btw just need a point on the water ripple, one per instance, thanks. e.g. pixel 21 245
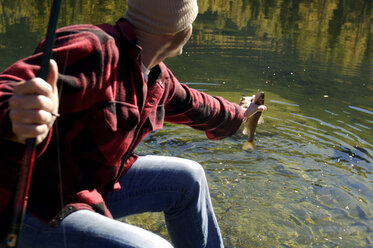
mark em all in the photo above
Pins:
pixel 284 103
pixel 361 110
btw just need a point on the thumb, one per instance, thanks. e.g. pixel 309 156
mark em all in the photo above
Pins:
pixel 262 108
pixel 53 74
pixel 52 80
pixel 253 108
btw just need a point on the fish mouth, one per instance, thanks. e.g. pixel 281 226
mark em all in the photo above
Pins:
pixel 259 98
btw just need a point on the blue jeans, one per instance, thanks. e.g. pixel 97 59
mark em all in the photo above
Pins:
pixel 176 186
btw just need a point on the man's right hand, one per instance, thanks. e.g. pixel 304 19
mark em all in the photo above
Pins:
pixel 250 108
pixel 34 106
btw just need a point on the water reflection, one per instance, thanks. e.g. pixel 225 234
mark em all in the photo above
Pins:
pixel 334 31
pixel 309 183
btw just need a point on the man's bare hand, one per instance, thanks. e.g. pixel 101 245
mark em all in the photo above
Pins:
pixel 247 103
pixel 33 107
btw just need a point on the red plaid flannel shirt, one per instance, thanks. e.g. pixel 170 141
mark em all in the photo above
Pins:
pixel 106 109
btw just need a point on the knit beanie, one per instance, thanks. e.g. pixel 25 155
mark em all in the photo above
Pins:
pixel 161 16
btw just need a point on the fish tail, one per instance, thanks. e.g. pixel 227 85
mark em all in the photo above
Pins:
pixel 248 145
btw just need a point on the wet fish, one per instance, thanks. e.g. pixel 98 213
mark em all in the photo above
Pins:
pixel 252 122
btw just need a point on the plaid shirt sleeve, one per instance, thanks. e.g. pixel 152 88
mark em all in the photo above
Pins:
pixel 216 116
pixel 79 52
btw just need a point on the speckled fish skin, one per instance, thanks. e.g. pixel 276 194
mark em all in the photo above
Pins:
pixel 252 122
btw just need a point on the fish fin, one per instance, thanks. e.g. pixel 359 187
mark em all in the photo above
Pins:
pixel 248 145
pixel 245 131
pixel 261 120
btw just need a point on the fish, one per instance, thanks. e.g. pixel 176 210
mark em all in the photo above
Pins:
pixel 252 122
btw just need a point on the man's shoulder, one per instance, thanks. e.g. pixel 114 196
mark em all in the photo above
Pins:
pixel 80 28
pixel 100 32
pixel 165 72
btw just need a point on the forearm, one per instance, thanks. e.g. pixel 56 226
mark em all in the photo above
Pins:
pixel 216 116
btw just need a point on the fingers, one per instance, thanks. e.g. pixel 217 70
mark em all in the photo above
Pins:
pixel 33 106
pixel 31 102
pixel 39 117
pixel 262 108
pixel 250 108
pixel 52 80
pixel 26 131
pixel 53 75
pixel 35 86
pixel 246 100
pixel 38 86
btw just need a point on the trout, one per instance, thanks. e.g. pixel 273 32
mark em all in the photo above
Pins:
pixel 252 122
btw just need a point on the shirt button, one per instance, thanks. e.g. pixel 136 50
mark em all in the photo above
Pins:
pixel 151 102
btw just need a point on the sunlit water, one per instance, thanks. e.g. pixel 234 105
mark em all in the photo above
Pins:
pixel 310 182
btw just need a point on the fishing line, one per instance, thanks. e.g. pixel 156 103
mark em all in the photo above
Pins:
pixel 58 147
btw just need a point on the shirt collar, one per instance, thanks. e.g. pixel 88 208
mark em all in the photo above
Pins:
pixel 128 33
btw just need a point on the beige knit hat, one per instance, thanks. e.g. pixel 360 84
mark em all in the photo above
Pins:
pixel 161 16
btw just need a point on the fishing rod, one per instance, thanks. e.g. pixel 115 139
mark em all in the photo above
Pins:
pixel 26 168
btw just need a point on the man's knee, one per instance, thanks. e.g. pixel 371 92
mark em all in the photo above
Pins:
pixel 191 172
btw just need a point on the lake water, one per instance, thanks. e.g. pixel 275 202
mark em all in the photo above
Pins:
pixel 309 183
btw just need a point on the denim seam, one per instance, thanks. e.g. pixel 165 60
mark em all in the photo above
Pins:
pixel 163 188
pixel 166 188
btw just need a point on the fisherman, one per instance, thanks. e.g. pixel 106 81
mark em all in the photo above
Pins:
pixel 114 90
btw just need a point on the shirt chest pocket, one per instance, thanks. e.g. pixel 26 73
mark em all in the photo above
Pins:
pixel 102 136
pixel 156 117
pixel 112 129
pixel 122 117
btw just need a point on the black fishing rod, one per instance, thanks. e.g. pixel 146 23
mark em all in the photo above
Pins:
pixel 25 171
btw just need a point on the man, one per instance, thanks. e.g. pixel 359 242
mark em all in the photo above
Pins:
pixel 114 90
